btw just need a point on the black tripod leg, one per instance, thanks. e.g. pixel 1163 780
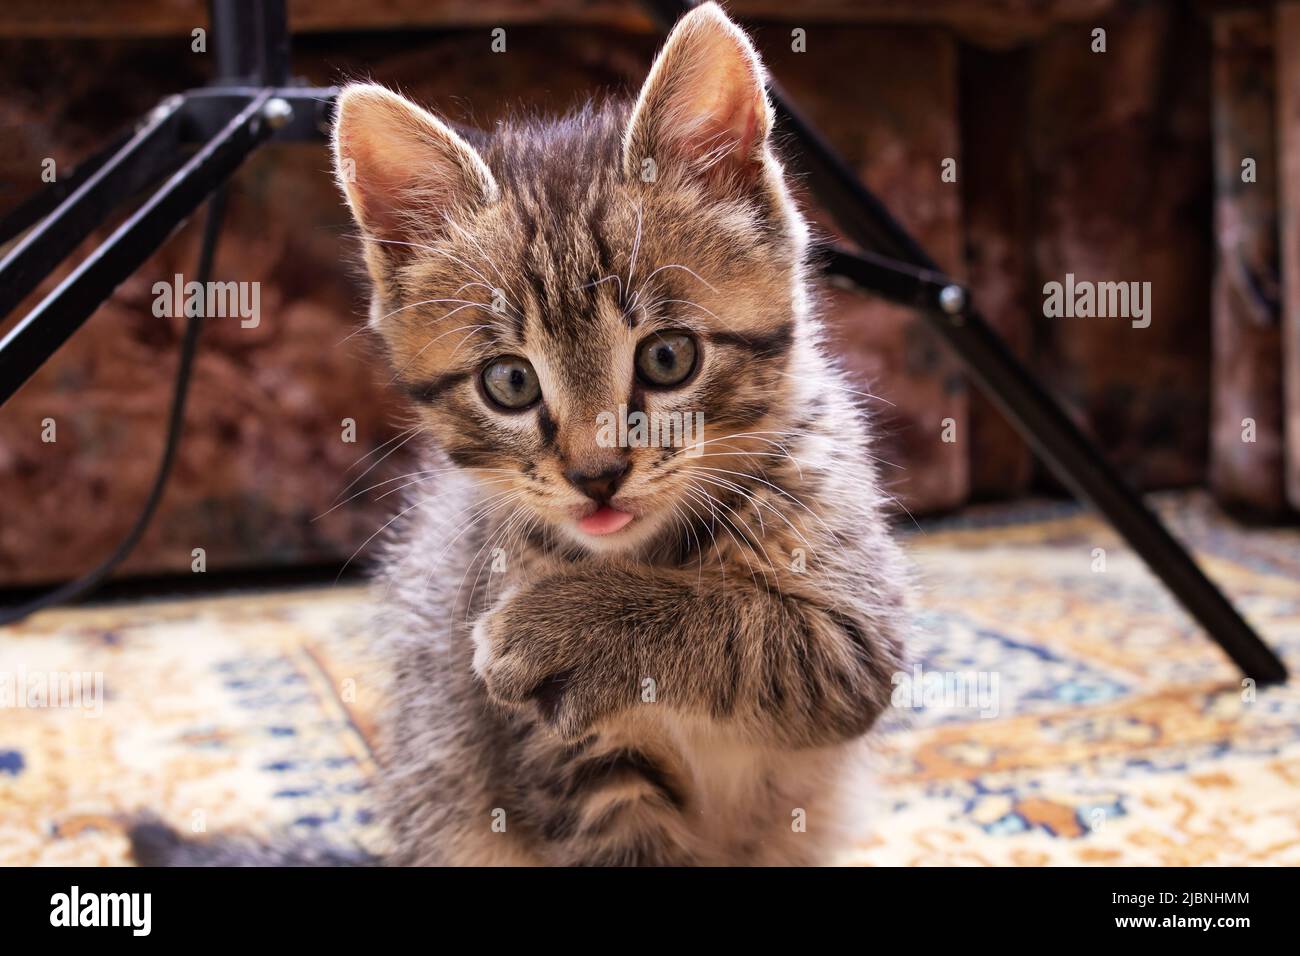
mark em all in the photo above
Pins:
pixel 1068 452
pixel 1076 461
pixel 35 208
pixel 150 152
pixel 62 312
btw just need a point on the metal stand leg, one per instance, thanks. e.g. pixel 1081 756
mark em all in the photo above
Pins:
pixel 62 312
pixel 138 162
pixel 1067 451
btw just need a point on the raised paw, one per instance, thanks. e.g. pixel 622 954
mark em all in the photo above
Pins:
pixel 523 666
pixel 510 665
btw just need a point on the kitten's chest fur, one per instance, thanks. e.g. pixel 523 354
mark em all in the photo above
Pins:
pixel 745 803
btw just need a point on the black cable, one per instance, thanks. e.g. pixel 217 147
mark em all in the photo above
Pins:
pixel 81 586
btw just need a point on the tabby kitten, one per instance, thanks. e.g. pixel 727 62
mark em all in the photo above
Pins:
pixel 607 654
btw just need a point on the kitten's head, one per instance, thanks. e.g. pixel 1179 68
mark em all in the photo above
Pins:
pixel 538 284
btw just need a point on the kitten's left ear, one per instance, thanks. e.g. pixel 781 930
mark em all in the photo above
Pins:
pixel 703 110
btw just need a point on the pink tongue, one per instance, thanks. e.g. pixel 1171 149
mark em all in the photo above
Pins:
pixel 604 520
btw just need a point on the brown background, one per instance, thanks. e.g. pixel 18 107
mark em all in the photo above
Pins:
pixel 1068 161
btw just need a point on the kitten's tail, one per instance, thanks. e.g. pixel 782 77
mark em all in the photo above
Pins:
pixel 153 843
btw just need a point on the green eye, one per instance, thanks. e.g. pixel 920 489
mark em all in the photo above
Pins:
pixel 665 359
pixel 511 382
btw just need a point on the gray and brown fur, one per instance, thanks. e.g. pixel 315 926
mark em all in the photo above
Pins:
pixel 688 690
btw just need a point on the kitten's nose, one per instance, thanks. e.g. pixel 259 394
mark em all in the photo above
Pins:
pixel 598 485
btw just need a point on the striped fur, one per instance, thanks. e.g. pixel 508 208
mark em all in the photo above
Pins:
pixel 681 695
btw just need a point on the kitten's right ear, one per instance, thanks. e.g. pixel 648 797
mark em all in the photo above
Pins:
pixel 403 171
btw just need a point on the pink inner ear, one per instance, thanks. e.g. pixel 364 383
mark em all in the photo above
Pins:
pixel 730 126
pixel 743 123
pixel 389 191
pixel 373 193
pixel 381 205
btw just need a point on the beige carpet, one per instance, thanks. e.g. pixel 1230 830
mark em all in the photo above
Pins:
pixel 1108 730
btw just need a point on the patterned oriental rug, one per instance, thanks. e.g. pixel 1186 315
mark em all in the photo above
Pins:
pixel 1061 710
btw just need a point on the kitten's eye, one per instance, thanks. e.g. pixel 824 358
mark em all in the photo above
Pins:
pixel 665 359
pixel 511 382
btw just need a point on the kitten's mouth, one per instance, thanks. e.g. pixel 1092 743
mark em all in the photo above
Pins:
pixel 604 520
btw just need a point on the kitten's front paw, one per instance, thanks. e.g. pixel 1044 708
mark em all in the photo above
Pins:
pixel 526 665
pixel 508 673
